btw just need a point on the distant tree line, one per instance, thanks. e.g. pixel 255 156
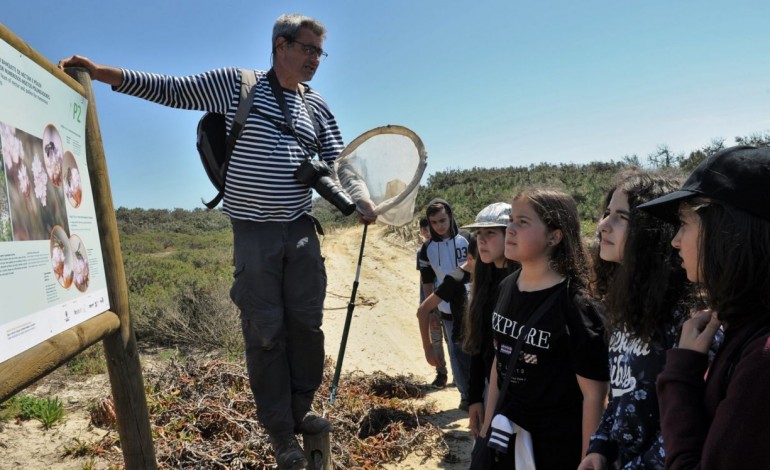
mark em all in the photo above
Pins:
pixel 176 220
pixel 468 191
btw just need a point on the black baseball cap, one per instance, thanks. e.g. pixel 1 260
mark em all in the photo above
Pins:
pixel 738 176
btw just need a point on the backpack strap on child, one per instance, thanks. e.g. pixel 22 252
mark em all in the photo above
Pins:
pixel 486 449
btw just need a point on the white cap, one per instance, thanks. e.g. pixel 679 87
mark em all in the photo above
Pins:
pixel 494 215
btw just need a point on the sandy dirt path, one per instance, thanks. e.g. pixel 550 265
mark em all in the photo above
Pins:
pixel 383 332
pixel 384 327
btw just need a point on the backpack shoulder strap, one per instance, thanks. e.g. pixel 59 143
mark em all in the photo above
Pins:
pixel 245 98
pixel 538 313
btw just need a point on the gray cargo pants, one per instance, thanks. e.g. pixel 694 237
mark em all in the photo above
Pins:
pixel 279 287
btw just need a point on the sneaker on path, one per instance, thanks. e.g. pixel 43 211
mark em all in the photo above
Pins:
pixel 440 381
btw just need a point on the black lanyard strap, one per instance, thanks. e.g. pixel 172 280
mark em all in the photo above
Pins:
pixel 541 310
pixel 288 127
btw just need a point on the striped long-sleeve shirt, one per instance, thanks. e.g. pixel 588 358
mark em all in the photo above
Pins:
pixel 260 184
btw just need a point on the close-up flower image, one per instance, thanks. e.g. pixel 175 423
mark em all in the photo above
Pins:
pixel 41 181
pixel 10 145
pixel 32 196
pixel 53 154
pixel 61 257
pixel 73 189
pixel 81 275
pixel 22 177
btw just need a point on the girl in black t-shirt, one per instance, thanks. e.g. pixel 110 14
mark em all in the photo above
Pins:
pixel 559 385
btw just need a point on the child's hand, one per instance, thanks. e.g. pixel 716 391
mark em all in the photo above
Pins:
pixel 430 356
pixel 698 332
pixel 593 461
pixel 476 417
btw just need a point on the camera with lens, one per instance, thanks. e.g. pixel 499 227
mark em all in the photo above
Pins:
pixel 318 175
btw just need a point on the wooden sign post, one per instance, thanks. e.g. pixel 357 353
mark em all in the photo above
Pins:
pixel 113 327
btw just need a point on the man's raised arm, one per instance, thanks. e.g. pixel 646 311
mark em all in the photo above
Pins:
pixel 102 73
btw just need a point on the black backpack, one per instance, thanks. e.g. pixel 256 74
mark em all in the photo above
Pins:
pixel 215 145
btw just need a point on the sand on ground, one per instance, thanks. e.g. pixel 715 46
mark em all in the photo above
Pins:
pixel 384 334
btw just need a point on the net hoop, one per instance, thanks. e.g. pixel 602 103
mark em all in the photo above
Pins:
pixel 387 204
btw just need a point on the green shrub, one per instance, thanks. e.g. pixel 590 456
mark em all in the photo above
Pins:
pixel 48 411
pixel 10 408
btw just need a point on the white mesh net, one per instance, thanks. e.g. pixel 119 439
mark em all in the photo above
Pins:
pixel 384 166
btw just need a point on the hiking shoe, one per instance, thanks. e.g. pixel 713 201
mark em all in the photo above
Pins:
pixel 439 381
pixel 464 405
pixel 288 453
pixel 313 424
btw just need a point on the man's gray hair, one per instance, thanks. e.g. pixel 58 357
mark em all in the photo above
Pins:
pixel 288 26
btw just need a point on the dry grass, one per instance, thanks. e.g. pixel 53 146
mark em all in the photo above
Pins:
pixel 203 417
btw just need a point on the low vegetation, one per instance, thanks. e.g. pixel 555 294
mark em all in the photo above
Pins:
pixel 49 411
pixel 89 362
pixel 202 416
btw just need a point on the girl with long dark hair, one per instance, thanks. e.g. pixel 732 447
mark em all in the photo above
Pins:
pixel 558 383
pixel 724 244
pixel 491 268
pixel 645 297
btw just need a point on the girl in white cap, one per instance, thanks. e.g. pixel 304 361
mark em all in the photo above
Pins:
pixel 491 268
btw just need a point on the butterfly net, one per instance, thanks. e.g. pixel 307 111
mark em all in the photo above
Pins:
pixel 384 166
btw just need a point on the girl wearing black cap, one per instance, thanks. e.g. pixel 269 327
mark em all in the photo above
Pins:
pixel 724 242
pixel 643 292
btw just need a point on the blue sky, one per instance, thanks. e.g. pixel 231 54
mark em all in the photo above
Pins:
pixel 484 83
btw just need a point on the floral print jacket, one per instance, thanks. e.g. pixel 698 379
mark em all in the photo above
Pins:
pixel 629 433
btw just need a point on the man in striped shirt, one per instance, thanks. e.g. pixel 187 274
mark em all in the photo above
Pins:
pixel 280 279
